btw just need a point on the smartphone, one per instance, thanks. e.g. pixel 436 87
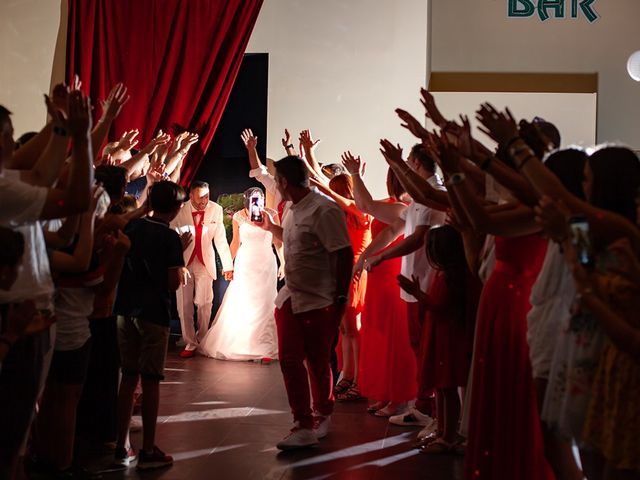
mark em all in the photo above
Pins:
pixel 256 204
pixel 581 239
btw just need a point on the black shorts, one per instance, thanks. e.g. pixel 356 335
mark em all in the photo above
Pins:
pixel 70 366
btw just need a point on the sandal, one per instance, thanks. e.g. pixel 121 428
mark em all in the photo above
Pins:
pixel 374 407
pixel 428 440
pixel 351 394
pixel 441 446
pixel 342 386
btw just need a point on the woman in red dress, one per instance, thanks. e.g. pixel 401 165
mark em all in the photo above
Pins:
pixel 387 366
pixel 340 188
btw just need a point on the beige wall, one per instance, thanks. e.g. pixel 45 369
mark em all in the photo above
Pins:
pixel 27 49
pixel 340 68
pixel 476 35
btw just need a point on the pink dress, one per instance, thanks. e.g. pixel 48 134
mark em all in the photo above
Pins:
pixel 505 439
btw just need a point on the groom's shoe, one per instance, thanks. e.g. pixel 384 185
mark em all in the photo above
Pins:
pixel 321 425
pixel 187 353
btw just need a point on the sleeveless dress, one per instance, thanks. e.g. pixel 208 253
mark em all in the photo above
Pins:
pixel 244 328
pixel 360 236
pixel 505 438
pixel 447 339
pixel 387 366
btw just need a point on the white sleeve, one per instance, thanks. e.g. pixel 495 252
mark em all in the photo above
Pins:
pixel 20 202
pixel 262 175
pixel 220 241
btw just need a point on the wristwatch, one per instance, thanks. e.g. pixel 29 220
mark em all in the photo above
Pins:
pixel 341 300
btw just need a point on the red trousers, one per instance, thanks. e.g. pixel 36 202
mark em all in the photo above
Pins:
pixel 307 336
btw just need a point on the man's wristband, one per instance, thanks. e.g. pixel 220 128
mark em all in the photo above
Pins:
pixel 287 147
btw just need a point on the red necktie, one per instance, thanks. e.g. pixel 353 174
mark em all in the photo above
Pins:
pixel 198 217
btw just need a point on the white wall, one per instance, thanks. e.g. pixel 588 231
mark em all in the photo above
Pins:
pixel 477 36
pixel 340 68
pixel 27 47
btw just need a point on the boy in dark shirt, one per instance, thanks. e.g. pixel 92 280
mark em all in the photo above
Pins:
pixel 145 303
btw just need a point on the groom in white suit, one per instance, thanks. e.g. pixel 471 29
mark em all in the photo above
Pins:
pixel 201 218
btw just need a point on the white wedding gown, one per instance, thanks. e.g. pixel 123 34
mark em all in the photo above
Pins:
pixel 244 328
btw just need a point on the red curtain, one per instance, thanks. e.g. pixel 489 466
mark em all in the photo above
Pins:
pixel 178 58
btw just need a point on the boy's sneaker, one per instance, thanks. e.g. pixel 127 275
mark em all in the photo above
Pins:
pixel 156 459
pixel 321 425
pixel 411 418
pixel 124 456
pixel 298 438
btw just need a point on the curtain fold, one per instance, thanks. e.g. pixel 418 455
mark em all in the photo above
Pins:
pixel 178 58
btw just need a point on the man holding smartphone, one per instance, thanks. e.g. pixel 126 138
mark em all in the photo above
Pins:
pixel 318 259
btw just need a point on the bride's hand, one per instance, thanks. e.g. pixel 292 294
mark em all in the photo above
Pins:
pixel 281 272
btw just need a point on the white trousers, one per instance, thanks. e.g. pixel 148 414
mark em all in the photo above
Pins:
pixel 200 283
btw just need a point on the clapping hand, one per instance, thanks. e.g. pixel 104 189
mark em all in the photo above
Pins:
pixel 251 141
pixel 157 169
pixel 286 141
pixel 186 140
pixel 413 125
pixel 351 163
pixel 499 126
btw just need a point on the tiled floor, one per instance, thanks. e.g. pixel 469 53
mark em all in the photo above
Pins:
pixel 222 419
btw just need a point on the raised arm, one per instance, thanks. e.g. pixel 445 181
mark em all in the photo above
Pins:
pixel 384 211
pixel 309 147
pixel 111 108
pixel 179 150
pixel 416 186
pixel 348 205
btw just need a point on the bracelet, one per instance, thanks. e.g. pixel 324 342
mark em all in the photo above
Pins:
pixel 60 131
pixel 356 174
pixel 486 163
pixel 287 147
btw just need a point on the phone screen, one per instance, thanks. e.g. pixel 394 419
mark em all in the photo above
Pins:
pixel 255 209
pixel 581 240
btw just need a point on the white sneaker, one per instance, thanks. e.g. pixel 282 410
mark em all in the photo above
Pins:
pixel 411 418
pixel 321 425
pixel 428 430
pixel 298 438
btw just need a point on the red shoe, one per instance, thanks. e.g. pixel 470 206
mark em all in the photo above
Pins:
pixel 187 353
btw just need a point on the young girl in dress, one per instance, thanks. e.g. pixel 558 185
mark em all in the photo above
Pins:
pixel 447 338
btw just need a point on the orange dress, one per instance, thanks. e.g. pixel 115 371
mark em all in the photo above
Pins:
pixel 360 235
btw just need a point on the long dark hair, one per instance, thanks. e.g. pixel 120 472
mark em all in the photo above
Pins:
pixel 445 252
pixel 568 166
pixel 616 178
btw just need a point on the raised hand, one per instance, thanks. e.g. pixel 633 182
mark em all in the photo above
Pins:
pixel 307 141
pixel 186 141
pixel 157 142
pixel 157 169
pixel 250 140
pixel 500 126
pixel 392 153
pixel 432 111
pixel 76 84
pixel 128 140
pixel 57 114
pixel 60 96
pixel 286 141
pixel 411 124
pixel 351 163
pixel 449 159
pixel 112 106
pixel 79 121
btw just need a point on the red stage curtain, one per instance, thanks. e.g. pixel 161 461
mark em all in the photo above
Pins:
pixel 179 59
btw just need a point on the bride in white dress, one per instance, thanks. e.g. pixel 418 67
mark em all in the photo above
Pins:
pixel 244 328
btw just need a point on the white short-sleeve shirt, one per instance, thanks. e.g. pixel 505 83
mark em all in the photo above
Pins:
pixel 313 229
pixel 415 263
